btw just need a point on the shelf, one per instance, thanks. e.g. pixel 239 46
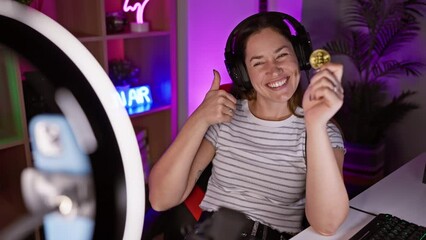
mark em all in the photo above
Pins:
pixel 158 127
pixel 154 52
pixel 89 38
pixel 153 111
pixel 129 35
pixel 11 144
pixel 81 17
pixel 11 202
pixel 151 52
pixel 125 35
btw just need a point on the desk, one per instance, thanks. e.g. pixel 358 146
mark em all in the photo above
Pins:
pixel 353 223
pixel 401 193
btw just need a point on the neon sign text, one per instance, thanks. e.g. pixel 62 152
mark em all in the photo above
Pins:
pixel 138 7
pixel 135 97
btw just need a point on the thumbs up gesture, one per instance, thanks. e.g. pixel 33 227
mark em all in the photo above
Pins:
pixel 218 105
pixel 216 81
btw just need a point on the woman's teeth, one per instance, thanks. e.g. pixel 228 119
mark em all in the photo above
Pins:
pixel 277 84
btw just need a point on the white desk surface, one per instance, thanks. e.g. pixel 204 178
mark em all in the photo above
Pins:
pixel 401 194
pixel 354 222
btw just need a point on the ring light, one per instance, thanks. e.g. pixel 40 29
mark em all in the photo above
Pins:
pixel 115 160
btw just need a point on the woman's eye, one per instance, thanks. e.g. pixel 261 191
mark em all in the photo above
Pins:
pixel 282 55
pixel 257 64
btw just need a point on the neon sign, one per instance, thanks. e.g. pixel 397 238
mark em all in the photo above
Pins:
pixel 136 100
pixel 138 7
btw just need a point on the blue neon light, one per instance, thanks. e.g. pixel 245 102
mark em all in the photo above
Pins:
pixel 135 99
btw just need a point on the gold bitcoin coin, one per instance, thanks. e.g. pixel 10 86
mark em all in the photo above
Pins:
pixel 318 58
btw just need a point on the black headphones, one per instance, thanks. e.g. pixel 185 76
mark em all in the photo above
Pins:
pixel 235 65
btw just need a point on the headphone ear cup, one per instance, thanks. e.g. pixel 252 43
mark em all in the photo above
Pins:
pixel 238 73
pixel 304 46
pixel 244 78
pixel 298 51
pixel 230 67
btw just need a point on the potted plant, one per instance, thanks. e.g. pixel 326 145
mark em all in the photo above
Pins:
pixel 377 29
pixel 123 73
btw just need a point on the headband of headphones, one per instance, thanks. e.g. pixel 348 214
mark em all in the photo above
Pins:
pixel 301 44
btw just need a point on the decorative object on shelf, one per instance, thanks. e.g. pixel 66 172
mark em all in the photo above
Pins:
pixel 139 25
pixel 26 2
pixel 125 77
pixel 135 99
pixel 377 29
pixel 123 73
pixel 36 4
pixel 116 22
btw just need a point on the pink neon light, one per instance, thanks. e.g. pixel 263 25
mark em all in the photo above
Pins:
pixel 138 7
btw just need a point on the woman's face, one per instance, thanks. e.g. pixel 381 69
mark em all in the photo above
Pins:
pixel 272 66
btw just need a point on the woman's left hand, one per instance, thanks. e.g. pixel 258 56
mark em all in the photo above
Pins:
pixel 324 95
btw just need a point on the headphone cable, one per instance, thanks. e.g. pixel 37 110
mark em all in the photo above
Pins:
pixel 360 210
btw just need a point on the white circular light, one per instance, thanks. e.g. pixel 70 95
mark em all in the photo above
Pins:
pixel 105 91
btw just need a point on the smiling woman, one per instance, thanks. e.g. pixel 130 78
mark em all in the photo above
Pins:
pixel 276 156
pixel 273 71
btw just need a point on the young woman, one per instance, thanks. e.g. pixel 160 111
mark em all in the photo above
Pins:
pixel 276 155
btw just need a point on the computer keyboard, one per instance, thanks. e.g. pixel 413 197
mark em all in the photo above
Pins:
pixel 386 226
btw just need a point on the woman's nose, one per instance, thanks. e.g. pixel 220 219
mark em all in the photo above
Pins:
pixel 276 69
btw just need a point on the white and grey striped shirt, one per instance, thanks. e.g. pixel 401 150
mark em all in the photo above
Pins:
pixel 259 168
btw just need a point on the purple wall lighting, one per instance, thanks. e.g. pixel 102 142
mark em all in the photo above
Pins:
pixel 209 24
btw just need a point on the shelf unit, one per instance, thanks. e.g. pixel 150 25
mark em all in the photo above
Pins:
pixel 14 145
pixel 154 52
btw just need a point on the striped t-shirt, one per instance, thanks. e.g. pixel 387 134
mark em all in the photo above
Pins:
pixel 259 168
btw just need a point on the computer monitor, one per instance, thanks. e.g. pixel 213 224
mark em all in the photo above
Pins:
pixel 64 65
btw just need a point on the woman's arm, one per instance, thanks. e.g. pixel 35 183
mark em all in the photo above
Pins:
pixel 327 202
pixel 175 173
